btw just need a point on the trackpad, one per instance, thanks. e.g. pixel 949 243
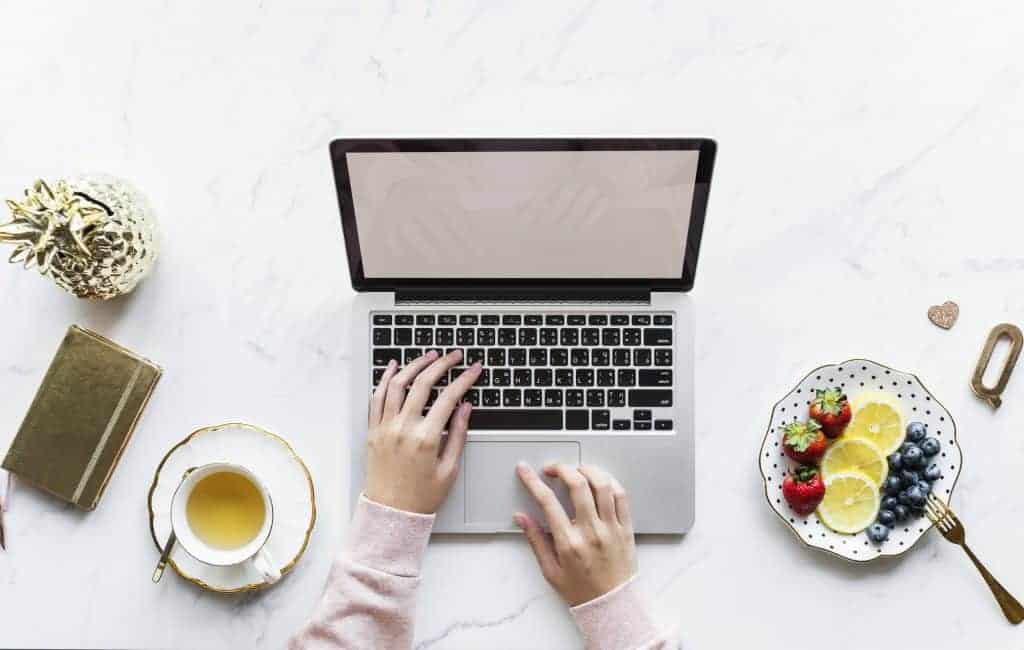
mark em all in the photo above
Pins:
pixel 493 490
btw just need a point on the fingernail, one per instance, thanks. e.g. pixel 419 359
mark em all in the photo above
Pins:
pixel 476 365
pixel 466 408
pixel 432 354
pixel 392 364
pixel 520 520
pixel 522 467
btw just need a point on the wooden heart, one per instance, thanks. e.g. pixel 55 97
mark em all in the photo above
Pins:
pixel 944 315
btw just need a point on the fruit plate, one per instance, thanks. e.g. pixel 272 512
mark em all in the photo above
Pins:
pixel 853 377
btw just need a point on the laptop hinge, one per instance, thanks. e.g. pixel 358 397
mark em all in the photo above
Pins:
pixel 558 293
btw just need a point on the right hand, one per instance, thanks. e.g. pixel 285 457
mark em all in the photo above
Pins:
pixel 595 552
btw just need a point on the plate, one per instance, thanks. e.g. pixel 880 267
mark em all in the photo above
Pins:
pixel 278 466
pixel 853 377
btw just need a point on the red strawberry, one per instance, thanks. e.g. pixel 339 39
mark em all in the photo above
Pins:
pixel 831 410
pixel 803 490
pixel 804 442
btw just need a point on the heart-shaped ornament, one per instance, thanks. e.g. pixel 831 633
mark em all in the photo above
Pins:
pixel 944 315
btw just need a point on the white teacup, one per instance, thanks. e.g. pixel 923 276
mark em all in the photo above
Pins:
pixel 251 551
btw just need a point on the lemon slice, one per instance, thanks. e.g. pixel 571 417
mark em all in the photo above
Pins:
pixel 877 418
pixel 855 455
pixel 850 504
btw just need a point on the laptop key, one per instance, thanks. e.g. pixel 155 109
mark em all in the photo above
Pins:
pixel 473 396
pixel 381 336
pixel 600 420
pixel 641 357
pixel 382 319
pixel 590 336
pixel 548 336
pixel 599 357
pixel 378 374
pixel 411 354
pixel 663 358
pixel 595 397
pixel 444 336
pixel 658 336
pixel 563 377
pixel 620 357
pixel 474 355
pixel 650 397
pixel 542 377
pixel 620 319
pixel 642 414
pixel 663 319
pixel 489 319
pixel 424 336
pixel 574 397
pixel 606 377
pixel 627 377
pixel 511 319
pixel 501 377
pixel 570 337
pixel 642 426
pixel 554 319
pixel 517 357
pixel 425 319
pixel 465 336
pixel 447 319
pixel 580 357
pixel 533 319
pixel 512 397
pixel 506 336
pixel 621 425
pixel 491 398
pixel 381 356
pixel 485 377
pixel 538 357
pixel 495 357
pixel 597 319
pixel 656 377
pixel 552 397
pixel 532 397
pixel 577 420
pixel 641 319
pixel 522 377
pixel 512 419
pixel 616 397
pixel 467 319
pixel 559 357
pixel 577 319
pixel 610 337
pixel 403 319
pixel 528 336
pixel 631 336
pixel 663 425
pixel 403 336
pixel 485 336
pixel 584 377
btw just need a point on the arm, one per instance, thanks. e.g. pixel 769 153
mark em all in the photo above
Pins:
pixel 591 560
pixel 370 598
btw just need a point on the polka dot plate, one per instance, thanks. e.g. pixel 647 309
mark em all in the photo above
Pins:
pixel 853 377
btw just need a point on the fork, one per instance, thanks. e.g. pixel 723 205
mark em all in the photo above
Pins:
pixel 951 528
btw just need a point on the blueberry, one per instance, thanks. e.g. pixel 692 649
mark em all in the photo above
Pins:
pixel 915 496
pixel 901 511
pixel 886 517
pixel 915 432
pixel 895 461
pixel 913 457
pixel 933 473
pixel 931 446
pixel 890 503
pixel 907 445
pixel 924 486
pixel 909 477
pixel 878 533
pixel 892 485
pixel 904 498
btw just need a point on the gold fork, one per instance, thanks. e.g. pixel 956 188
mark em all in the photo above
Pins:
pixel 951 528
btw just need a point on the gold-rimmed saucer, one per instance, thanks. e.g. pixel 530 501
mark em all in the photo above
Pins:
pixel 287 479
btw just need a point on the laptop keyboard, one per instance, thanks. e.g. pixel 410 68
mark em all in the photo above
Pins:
pixel 549 371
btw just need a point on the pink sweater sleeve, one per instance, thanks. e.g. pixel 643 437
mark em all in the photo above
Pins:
pixel 370 598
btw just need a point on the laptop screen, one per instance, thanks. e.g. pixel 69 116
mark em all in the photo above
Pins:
pixel 523 214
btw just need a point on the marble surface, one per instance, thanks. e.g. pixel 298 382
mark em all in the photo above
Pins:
pixel 870 164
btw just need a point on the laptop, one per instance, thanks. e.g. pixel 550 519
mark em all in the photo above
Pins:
pixel 564 266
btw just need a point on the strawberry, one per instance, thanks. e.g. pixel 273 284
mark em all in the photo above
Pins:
pixel 803 490
pixel 831 410
pixel 804 442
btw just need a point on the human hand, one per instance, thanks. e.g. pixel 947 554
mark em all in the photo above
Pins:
pixel 595 552
pixel 408 467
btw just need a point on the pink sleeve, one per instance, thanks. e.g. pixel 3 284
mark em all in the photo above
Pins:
pixel 370 598
pixel 620 620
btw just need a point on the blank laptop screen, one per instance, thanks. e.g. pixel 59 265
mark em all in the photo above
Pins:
pixel 523 214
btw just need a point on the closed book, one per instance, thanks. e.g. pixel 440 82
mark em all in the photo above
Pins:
pixel 82 418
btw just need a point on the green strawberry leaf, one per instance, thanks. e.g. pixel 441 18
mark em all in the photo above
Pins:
pixel 830 400
pixel 800 435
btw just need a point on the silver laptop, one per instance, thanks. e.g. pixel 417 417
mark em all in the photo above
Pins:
pixel 563 265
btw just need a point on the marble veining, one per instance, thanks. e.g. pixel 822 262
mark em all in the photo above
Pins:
pixel 869 166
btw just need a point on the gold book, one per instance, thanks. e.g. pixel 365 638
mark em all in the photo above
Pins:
pixel 82 418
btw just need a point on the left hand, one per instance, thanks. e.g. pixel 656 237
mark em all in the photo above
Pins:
pixel 408 467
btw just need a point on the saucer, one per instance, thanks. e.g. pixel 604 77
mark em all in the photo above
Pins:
pixel 852 377
pixel 272 459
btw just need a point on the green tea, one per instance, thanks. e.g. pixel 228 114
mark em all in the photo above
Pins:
pixel 225 510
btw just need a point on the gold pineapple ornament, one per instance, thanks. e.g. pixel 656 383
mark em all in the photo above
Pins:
pixel 94 235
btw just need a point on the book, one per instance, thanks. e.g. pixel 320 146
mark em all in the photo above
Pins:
pixel 82 418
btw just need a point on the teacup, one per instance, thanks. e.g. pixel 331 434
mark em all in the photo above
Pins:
pixel 222 515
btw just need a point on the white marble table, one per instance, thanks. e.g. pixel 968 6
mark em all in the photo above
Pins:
pixel 871 158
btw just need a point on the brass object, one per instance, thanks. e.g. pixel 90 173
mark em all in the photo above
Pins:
pixel 951 528
pixel 162 564
pixel 309 531
pixel 82 418
pixel 992 395
pixel 944 315
pixel 95 235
